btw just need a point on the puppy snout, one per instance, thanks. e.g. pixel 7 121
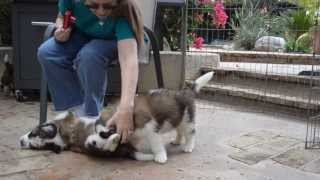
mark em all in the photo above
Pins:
pixel 22 144
pixel 94 143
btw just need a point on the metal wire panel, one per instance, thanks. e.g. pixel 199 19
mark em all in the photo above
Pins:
pixel 268 52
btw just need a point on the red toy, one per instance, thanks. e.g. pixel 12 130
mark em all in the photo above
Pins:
pixel 68 20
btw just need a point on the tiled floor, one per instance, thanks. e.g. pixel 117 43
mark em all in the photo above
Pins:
pixel 223 131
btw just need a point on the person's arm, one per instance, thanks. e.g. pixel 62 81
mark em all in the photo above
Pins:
pixel 128 58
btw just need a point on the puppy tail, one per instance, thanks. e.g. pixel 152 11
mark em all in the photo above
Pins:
pixel 202 81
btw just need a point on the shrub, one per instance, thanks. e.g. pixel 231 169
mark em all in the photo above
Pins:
pixel 249 24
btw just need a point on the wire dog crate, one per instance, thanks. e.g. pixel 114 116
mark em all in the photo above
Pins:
pixel 269 52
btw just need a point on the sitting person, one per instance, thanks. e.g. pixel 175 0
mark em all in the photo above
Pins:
pixel 75 60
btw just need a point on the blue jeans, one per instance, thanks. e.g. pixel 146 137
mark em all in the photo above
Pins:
pixel 76 71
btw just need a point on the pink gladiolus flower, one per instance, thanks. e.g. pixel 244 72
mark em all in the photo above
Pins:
pixel 220 17
pixel 198 43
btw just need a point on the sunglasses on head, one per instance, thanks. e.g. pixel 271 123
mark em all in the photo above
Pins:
pixel 105 6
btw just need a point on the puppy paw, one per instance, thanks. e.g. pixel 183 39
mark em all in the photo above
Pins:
pixel 113 143
pixel 160 158
pixel 188 148
pixel 176 142
pixel 116 139
pixel 143 157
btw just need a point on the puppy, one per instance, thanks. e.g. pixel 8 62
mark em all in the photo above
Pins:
pixel 66 132
pixel 157 112
pixel 7 82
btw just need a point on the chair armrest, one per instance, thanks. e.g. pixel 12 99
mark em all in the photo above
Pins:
pixel 156 56
pixel 50 28
pixel 49 32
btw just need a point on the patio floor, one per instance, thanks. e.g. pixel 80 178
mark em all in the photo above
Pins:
pixel 233 142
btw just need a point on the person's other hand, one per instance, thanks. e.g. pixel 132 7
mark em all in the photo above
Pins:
pixel 61 34
pixel 123 120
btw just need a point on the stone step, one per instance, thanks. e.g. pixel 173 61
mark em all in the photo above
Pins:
pixel 297 98
pixel 224 72
pixel 263 57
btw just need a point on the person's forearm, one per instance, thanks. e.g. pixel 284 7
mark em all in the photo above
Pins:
pixel 129 74
pixel 129 84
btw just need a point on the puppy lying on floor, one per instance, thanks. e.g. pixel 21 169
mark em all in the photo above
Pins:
pixel 66 132
pixel 156 112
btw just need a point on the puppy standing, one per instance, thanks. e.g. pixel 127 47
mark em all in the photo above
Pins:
pixel 157 112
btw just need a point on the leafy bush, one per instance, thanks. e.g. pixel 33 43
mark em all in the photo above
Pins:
pixel 299 25
pixel 171 24
pixel 257 18
pixel 250 24
pixel 300 22
pixel 5 21
pixel 203 16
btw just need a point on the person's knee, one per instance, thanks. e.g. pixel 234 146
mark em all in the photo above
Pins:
pixel 89 58
pixel 43 53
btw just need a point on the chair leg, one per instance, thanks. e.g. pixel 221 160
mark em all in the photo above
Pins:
pixel 43 99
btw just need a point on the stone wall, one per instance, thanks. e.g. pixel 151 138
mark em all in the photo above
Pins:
pixel 173 68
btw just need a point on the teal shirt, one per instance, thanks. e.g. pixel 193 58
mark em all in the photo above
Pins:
pixel 113 28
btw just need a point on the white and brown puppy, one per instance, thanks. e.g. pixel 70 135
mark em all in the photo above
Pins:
pixel 156 112
pixel 67 132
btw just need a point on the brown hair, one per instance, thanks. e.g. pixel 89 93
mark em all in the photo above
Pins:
pixel 129 9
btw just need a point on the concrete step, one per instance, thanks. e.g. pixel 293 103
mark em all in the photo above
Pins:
pixel 226 72
pixel 286 90
pixel 274 97
pixel 263 57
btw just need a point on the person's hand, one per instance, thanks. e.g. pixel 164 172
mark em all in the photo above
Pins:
pixel 61 34
pixel 123 120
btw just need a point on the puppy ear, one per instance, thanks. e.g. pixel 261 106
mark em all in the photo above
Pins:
pixel 48 131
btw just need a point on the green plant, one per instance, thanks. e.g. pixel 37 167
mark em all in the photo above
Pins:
pixel 298 37
pixel 249 24
pixel 305 41
pixel 278 24
pixel 300 22
pixel 5 21
pixel 294 46
pixel 310 5
pixel 172 22
pixel 202 14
